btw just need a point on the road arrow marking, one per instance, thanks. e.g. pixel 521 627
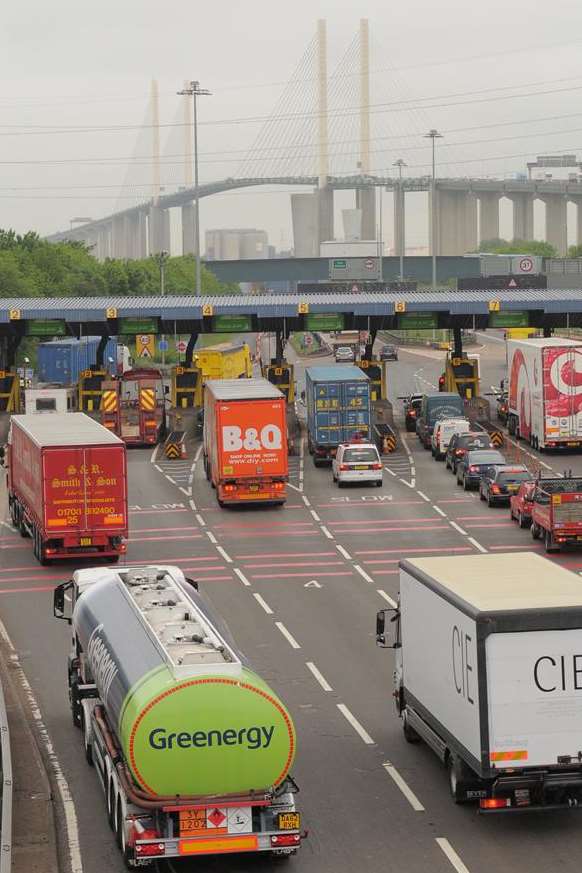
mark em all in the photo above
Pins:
pixel 313 584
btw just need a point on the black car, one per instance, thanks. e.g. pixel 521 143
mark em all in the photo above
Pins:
pixel 472 465
pixel 497 484
pixel 388 353
pixel 461 443
pixel 411 411
pixel 502 407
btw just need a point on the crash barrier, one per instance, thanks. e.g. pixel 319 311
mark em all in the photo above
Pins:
pixel 175 445
pixel 6 774
pixel 385 438
pixel 514 454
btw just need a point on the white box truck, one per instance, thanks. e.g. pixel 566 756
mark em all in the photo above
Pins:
pixel 488 672
pixel 545 391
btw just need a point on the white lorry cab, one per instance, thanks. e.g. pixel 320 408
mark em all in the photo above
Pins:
pixel 444 430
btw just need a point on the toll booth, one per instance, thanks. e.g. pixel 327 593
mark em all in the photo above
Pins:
pixel 184 387
pixel 281 375
pixel 376 372
pixel 462 375
pixel 9 391
pixel 91 389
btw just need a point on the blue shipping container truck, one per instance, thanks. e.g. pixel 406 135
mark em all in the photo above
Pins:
pixel 338 408
pixel 62 361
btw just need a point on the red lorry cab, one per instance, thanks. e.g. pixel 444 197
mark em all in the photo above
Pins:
pixel 245 440
pixel 67 486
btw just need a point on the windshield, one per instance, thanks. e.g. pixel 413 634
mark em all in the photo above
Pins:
pixel 474 442
pixel 507 478
pixel 360 456
pixel 447 407
pixel 486 458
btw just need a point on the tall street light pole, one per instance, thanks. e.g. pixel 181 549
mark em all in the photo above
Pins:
pixel 433 135
pixel 194 90
pixel 161 258
pixel 400 163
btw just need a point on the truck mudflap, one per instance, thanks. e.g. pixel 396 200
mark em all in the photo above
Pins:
pixel 535 791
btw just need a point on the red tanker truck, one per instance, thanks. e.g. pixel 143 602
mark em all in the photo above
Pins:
pixel 67 486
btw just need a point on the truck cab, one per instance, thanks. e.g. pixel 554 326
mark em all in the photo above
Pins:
pixel 434 406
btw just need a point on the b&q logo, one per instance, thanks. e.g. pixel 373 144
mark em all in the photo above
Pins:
pixel 235 440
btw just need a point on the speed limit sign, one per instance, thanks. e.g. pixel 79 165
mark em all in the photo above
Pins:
pixel 525 265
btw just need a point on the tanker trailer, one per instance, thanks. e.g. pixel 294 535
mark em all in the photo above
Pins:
pixel 192 748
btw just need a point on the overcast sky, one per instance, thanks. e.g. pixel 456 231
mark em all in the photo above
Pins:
pixel 66 64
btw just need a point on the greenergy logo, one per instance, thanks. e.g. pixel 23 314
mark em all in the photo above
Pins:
pixel 102 664
pixel 250 738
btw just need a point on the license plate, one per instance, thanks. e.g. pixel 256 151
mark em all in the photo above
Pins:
pixel 253 487
pixel 361 467
pixel 288 821
pixel 512 487
pixel 86 541
pixel 579 538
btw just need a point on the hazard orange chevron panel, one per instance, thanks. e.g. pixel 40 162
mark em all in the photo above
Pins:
pixel 517 755
pixel 147 398
pixel 109 401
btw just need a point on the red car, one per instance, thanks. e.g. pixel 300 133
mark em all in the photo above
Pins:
pixel 520 504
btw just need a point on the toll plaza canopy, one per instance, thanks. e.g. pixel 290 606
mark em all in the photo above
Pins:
pixel 440 308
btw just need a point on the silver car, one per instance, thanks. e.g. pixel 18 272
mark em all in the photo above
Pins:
pixel 357 462
pixel 344 353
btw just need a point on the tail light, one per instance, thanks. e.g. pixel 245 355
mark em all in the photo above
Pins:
pixel 473 469
pixel 376 466
pixel 281 840
pixel 149 422
pixel 496 489
pixel 412 413
pixel 50 551
pixel 230 488
pixel 150 850
pixel 495 802
pixel 109 424
pixel 344 467
pixel 459 452
pixel 278 486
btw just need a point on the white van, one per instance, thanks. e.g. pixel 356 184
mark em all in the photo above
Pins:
pixel 444 431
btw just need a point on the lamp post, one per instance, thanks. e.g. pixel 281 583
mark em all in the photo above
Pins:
pixel 400 163
pixel 433 135
pixel 161 259
pixel 194 90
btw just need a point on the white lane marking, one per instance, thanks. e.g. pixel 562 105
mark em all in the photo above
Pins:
pixel 320 678
pixel 158 468
pixel 363 573
pixel 403 786
pixel 306 501
pixel 452 856
pixel 413 470
pixel 312 584
pixel 387 598
pixel 345 554
pixel 314 515
pixel 186 491
pixel 289 637
pixel 477 545
pixel 224 554
pixel 362 733
pixel 458 528
pixel 326 532
pixel 423 495
pixel 7 524
pixel 211 537
pixel 408 484
pixel 154 456
pixel 388 470
pixel 71 825
pixel 198 453
pixel 173 481
pixel 242 577
pixel 439 510
pixel 200 520
pixel 192 506
pixel 294 487
pixel 263 603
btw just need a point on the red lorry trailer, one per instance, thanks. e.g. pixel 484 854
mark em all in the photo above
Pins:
pixel 245 441
pixel 67 486
pixel 556 513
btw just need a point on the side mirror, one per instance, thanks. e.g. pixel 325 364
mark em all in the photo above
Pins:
pixel 166 389
pixel 60 609
pixel 192 582
pixel 381 629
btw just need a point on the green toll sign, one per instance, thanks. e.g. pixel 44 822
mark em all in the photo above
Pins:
pixel 509 318
pixel 417 321
pixel 47 327
pixel 232 323
pixel 324 321
pixel 340 264
pixel 138 325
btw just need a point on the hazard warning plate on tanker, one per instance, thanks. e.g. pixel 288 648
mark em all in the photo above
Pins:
pixel 289 821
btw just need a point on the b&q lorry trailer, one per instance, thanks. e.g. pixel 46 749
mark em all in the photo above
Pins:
pixel 545 392
pixel 245 441
pixel 488 673
pixel 192 748
pixel 67 486
pixel 338 409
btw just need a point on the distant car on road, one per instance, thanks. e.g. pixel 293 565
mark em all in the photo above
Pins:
pixel 502 407
pixel 344 354
pixel 461 443
pixel 472 465
pixel 411 411
pixel 520 504
pixel 357 462
pixel 497 484
pixel 388 353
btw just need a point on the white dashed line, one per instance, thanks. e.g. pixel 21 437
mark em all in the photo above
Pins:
pixel 314 515
pixel 263 603
pixel 363 573
pixel 326 532
pixel 402 785
pixel 439 510
pixel 452 856
pixel 477 545
pixel 306 501
pixel 185 491
pixel 408 484
pixel 362 733
pixel 211 537
pixel 158 468
pixel 458 528
pixel 289 637
pixel 192 506
pixel 321 679
pixel 392 473
pixel 198 453
pixel 387 598
pixel 242 577
pixel 224 554
pixel 345 554
pixel 200 520
pixel 423 495
pixel 173 481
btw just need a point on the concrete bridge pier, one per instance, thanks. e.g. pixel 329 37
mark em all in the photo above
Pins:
pixel 104 241
pixel 135 236
pixel 488 215
pixel 578 203
pixel 366 201
pixel 188 229
pixel 456 222
pixel 557 222
pixel 399 221
pixel 118 240
pixel 325 214
pixel 158 230
pixel 305 214
pixel 523 214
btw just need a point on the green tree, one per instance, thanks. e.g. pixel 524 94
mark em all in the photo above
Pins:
pixel 519 247
pixel 575 251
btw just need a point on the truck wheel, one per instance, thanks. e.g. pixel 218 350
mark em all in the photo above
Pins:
pixel 112 559
pixel 410 734
pixel 126 851
pixel 316 462
pixel 76 708
pixel 465 486
pixel 522 522
pixel 88 746
pixel 549 544
pixel 458 775
pixel 490 503
pixel 535 531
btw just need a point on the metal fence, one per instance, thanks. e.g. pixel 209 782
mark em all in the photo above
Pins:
pixel 6 800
